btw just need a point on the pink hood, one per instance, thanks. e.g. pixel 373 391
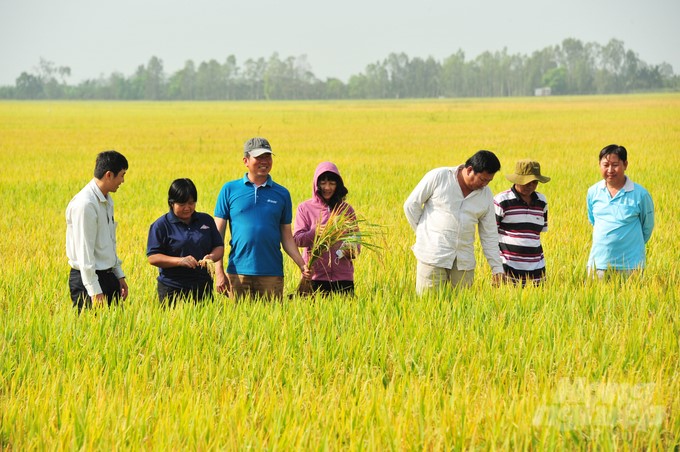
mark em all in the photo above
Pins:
pixel 320 169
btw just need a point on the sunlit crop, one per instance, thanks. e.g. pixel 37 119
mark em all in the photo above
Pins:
pixel 571 364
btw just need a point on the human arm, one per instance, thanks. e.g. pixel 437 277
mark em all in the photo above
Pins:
pixel 164 261
pixel 352 250
pixel 488 237
pixel 413 206
pixel 545 218
pixel 220 276
pixel 305 228
pixel 291 249
pixel 167 247
pixel 124 290
pixel 589 207
pixel 647 216
pixel 81 240
pixel 498 211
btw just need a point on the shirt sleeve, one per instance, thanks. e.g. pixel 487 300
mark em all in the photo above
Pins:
pixel 304 228
pixel 222 205
pixel 413 206
pixel 589 207
pixel 287 213
pixel 545 218
pixel 647 216
pixel 84 224
pixel 488 237
pixel 156 239
pixel 498 210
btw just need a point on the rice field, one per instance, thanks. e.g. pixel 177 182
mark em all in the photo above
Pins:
pixel 569 365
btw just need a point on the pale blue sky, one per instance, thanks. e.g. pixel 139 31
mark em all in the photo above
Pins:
pixel 98 37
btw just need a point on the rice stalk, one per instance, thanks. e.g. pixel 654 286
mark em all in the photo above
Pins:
pixel 345 227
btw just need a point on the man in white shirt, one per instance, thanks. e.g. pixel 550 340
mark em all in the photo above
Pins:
pixel 96 273
pixel 443 210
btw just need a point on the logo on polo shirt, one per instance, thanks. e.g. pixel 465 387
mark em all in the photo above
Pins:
pixel 273 201
pixel 205 226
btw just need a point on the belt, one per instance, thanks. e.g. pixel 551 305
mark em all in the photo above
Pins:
pixel 108 270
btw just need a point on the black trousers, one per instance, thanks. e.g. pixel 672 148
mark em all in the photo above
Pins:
pixel 168 296
pixel 107 280
pixel 329 287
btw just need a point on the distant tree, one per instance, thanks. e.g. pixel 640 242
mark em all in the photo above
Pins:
pixel 377 82
pixel 570 68
pixel 230 70
pixel 182 84
pixel 335 89
pixel 7 92
pixel 210 81
pixel 253 73
pixel 556 79
pixel 423 78
pixel 29 86
pixel 53 79
pixel 453 75
pixel 117 87
pixel 155 79
pixel 137 84
pixel 357 87
pixel 579 61
pixel 397 67
pixel 537 66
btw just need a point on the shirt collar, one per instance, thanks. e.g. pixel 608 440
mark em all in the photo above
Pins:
pixel 628 186
pixel 534 196
pixel 248 181
pixel 97 191
pixel 172 218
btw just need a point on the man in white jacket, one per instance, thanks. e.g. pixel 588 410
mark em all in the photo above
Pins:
pixel 443 210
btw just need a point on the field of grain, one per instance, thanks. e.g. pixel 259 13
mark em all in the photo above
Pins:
pixel 572 364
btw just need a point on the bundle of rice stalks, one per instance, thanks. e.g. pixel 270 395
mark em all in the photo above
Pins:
pixel 341 227
pixel 209 265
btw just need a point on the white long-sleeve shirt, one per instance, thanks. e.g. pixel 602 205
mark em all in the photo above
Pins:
pixel 444 222
pixel 91 236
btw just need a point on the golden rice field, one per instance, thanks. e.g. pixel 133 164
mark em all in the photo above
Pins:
pixel 570 365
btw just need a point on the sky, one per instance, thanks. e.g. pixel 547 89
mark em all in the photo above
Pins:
pixel 340 38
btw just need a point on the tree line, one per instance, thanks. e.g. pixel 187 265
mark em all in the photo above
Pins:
pixel 572 67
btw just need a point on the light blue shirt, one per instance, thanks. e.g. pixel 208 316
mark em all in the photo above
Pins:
pixel 622 225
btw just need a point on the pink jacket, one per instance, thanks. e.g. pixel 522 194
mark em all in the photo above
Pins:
pixel 328 267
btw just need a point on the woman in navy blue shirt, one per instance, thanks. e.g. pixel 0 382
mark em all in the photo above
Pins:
pixel 181 244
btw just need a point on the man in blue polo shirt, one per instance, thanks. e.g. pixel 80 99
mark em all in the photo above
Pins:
pixel 259 213
pixel 622 215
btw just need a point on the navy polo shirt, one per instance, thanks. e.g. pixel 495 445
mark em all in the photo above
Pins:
pixel 170 236
pixel 255 215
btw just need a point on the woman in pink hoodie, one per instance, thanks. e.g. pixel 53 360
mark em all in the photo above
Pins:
pixel 334 270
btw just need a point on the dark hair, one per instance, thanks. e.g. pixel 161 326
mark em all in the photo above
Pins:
pixel 615 149
pixel 484 161
pixel 181 191
pixel 340 189
pixel 109 161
